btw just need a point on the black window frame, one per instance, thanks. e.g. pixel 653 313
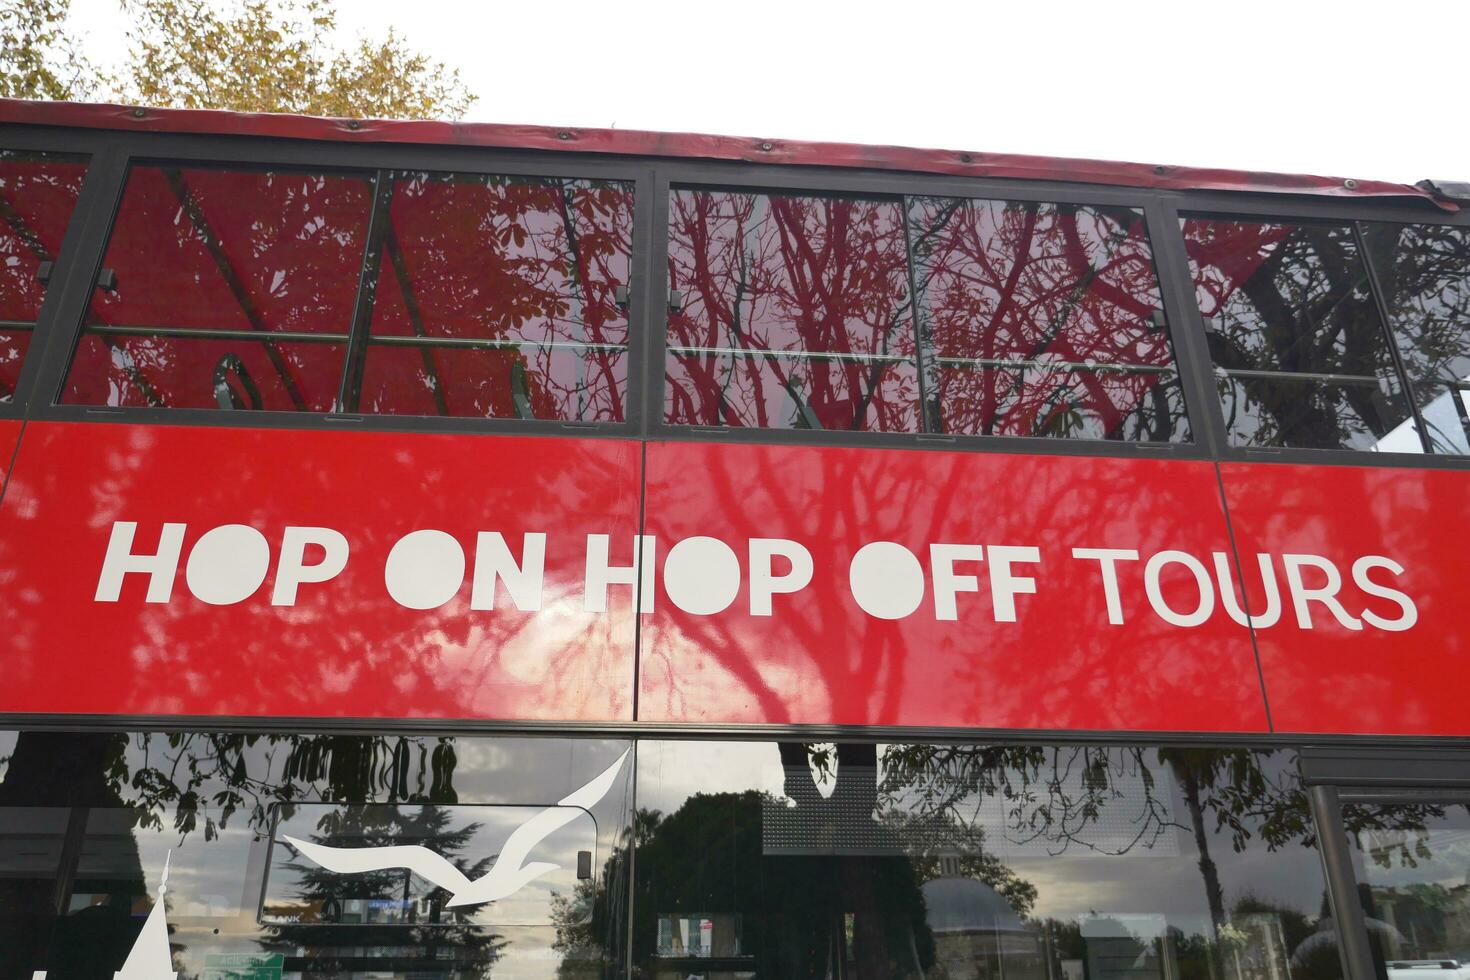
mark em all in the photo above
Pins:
pixel 691 175
pixel 67 325
pixel 902 191
pixel 113 152
pixel 1352 211
pixel 1395 368
pixel 70 143
pixel 1334 769
pixel 1413 384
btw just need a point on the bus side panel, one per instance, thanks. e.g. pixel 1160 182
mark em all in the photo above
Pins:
pixel 220 631
pixel 9 438
pixel 820 657
pixel 1348 658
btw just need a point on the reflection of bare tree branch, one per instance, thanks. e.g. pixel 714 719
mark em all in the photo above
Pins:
pixel 237 287
pixel 415 316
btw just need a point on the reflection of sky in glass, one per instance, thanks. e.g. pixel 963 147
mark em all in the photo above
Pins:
pixel 216 876
pixel 7 746
pixel 1161 876
pixel 1448 847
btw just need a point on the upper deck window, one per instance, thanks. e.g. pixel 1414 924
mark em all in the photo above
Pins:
pixel 1299 349
pixel 1425 273
pixel 498 297
pixel 37 194
pixel 225 289
pixel 791 313
pixel 387 293
pixel 1043 320
pixel 1033 319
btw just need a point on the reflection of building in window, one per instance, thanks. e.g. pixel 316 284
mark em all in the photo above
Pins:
pixel 977 933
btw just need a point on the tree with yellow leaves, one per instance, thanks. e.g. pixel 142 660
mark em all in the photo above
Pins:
pixel 249 56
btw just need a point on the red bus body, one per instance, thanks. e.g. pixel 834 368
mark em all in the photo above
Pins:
pixel 700 581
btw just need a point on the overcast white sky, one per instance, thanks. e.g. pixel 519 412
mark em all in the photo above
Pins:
pixel 1353 89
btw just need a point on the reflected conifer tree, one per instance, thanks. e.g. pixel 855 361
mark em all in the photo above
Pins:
pixel 428 929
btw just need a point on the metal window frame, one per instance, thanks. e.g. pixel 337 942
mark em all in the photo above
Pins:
pixel 1372 771
pixel 1335 770
pixel 898 188
pixel 65 326
pixel 72 142
pixel 112 151
pixel 1332 380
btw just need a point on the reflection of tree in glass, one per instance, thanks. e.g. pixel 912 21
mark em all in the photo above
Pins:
pixel 436 930
pixel 487 258
pixel 197 783
pixel 788 278
pixel 579 920
pixel 801 915
pixel 261 251
pixel 1291 298
pixel 1038 285
pixel 37 193
pixel 1425 272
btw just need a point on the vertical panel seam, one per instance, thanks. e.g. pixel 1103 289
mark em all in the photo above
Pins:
pixel 638 584
pixel 1245 601
pixel 14 455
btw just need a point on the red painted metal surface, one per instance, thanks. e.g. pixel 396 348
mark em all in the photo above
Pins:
pixel 820 658
pixel 9 438
pixel 749 150
pixel 1332 678
pixel 345 648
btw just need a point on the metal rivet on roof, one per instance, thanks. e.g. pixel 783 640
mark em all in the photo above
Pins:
pixel 1350 184
pixel 768 147
pixel 563 135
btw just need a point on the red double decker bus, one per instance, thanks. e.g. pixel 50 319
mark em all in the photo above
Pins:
pixel 462 551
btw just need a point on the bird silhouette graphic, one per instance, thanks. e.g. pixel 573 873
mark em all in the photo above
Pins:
pixel 510 871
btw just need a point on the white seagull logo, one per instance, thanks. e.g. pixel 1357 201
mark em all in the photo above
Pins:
pixel 510 871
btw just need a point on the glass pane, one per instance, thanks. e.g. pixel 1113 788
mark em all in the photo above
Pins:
pixel 171 372
pixel 1010 281
pixel 13 347
pixel 1425 273
pixel 528 383
pixel 1299 412
pixel 37 194
pixel 1446 416
pixel 500 265
pixel 791 391
pixel 202 250
pixel 1412 863
pixel 1292 298
pixel 1063 402
pixel 299 890
pixel 763 272
pixel 184 833
pixel 801 860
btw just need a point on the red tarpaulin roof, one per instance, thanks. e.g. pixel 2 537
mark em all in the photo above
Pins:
pixel 963 163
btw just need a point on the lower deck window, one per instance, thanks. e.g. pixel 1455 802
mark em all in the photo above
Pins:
pixel 336 857
pixel 214 855
pixel 974 862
